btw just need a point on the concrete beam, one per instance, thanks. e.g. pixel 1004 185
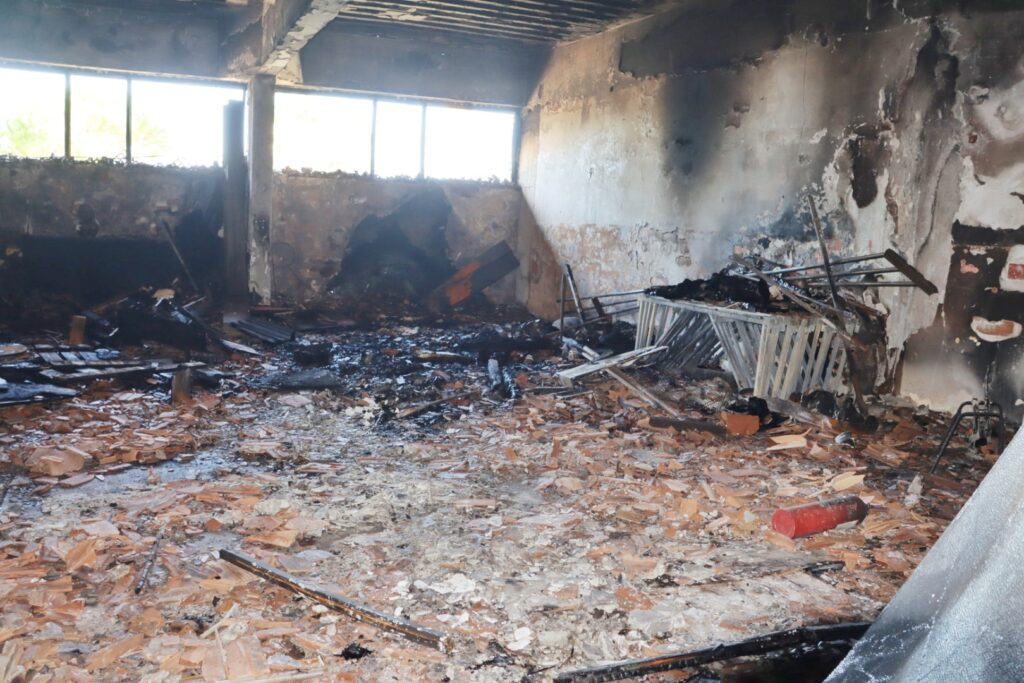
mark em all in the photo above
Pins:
pixel 260 102
pixel 424 63
pixel 270 42
pixel 236 261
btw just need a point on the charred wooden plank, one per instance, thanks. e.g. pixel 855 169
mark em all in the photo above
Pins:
pixel 412 411
pixel 417 634
pixel 267 331
pixel 683 425
pixel 140 585
pixel 475 276
pixel 759 645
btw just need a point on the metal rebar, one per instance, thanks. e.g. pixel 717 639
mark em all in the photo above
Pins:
pixel 826 263
pixel 841 274
pixel 836 262
pixel 899 283
pixel 575 294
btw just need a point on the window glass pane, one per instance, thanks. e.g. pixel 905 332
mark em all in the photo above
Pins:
pixel 31 113
pixel 398 139
pixel 468 144
pixel 322 132
pixel 98 106
pixel 179 123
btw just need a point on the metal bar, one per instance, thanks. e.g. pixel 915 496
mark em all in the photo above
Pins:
pixel 181 259
pixel 610 314
pixel 848 273
pixel 899 283
pixel 561 304
pixel 362 613
pixel 800 300
pixel 836 300
pixel 616 295
pixel 575 294
pixel 690 305
pixel 910 272
pixel 604 305
pixel 650 397
pixel 835 262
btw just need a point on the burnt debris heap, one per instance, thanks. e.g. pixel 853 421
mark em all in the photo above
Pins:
pixel 532 340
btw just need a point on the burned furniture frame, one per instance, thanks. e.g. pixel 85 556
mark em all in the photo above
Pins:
pixel 897 264
pixel 990 411
pixel 621 303
pixel 775 355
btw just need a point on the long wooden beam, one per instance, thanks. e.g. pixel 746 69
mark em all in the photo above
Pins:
pixel 415 633
pixel 759 645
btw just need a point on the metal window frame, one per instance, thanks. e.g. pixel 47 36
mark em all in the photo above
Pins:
pixel 423 103
pixel 375 98
pixel 129 76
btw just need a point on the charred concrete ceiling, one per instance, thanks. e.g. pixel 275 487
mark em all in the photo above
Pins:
pixel 480 51
pixel 529 20
pixel 523 20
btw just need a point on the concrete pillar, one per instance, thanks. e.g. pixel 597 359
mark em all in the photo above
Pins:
pixel 236 259
pixel 261 185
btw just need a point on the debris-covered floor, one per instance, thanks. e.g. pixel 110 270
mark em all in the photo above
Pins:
pixel 543 530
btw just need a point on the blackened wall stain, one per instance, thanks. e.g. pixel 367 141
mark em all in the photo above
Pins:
pixel 396 258
pixel 869 156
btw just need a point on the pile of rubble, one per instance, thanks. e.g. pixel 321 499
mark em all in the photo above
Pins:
pixel 443 477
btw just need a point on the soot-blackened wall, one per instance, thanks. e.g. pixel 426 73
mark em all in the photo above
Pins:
pixel 655 151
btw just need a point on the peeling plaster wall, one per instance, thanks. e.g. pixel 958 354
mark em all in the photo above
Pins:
pixel 653 152
pixel 315 216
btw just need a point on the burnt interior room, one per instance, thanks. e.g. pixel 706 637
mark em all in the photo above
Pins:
pixel 511 340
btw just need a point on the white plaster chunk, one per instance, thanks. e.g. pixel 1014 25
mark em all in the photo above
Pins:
pixel 455 584
pixel 990 202
pixel 995 330
pixel 1012 277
